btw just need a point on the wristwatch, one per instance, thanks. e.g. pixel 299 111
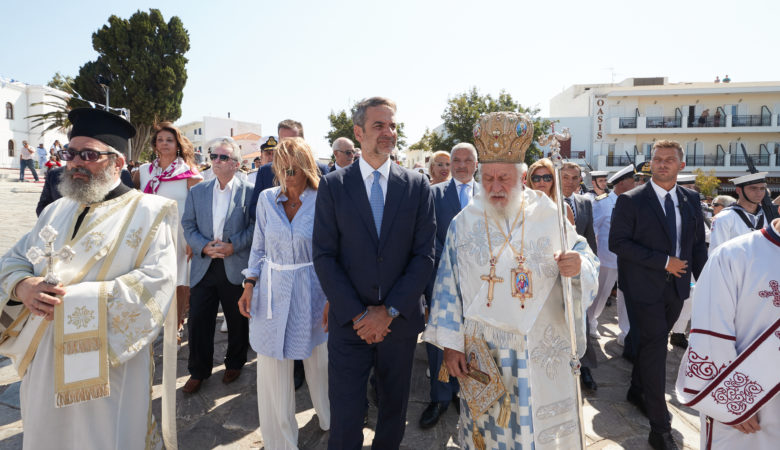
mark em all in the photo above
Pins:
pixel 250 281
pixel 392 312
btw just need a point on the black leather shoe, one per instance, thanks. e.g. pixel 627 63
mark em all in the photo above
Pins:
pixel 298 374
pixel 679 340
pixel 662 441
pixel 431 415
pixel 638 400
pixel 586 380
pixel 456 401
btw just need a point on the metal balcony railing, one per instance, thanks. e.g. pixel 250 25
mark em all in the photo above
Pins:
pixel 759 160
pixel 618 160
pixel 708 122
pixel 627 122
pixel 705 160
pixel 664 122
pixel 751 121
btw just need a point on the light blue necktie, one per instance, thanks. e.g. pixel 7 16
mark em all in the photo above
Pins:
pixel 377 201
pixel 464 195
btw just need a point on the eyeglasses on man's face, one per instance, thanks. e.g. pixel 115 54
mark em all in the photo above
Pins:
pixel 85 155
pixel 347 152
pixel 546 178
pixel 223 158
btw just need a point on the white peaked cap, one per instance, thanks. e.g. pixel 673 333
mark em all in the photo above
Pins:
pixel 629 169
pixel 751 178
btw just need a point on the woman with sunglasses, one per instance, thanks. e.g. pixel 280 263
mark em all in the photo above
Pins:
pixel 283 298
pixel 171 175
pixel 439 167
pixel 541 177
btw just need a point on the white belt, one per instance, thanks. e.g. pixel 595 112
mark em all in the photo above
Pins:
pixel 279 267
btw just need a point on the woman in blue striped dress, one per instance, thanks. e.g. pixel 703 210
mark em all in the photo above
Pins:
pixel 283 299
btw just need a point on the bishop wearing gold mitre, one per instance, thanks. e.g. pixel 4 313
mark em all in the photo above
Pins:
pixel 498 299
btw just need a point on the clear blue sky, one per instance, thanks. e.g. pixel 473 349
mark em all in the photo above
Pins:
pixel 264 61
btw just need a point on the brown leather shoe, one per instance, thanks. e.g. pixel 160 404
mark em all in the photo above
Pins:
pixel 230 375
pixel 191 386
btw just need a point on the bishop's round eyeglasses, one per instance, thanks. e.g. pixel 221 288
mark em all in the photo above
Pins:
pixel 537 178
pixel 85 155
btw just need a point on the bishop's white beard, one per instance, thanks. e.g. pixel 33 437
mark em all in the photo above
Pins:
pixel 505 212
pixel 88 191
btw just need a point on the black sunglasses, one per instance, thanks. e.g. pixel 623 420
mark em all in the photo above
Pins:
pixel 346 152
pixel 290 172
pixel 537 178
pixel 717 204
pixel 223 158
pixel 85 155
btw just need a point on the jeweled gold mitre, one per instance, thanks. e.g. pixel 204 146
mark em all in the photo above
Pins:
pixel 503 137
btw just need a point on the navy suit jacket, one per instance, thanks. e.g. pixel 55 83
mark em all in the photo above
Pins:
pixel 356 267
pixel 50 192
pixel 265 180
pixel 583 220
pixel 642 242
pixel 198 226
pixel 446 202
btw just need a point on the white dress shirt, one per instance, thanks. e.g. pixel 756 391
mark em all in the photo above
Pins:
pixel 220 202
pixel 367 172
pixel 661 194
pixel 470 184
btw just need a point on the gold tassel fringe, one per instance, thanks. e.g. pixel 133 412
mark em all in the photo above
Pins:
pixel 505 412
pixel 479 441
pixel 444 374
pixel 91 344
pixel 83 394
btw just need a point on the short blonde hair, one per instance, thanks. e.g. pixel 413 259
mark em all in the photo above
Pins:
pixel 436 155
pixel 668 143
pixel 294 152
pixel 547 164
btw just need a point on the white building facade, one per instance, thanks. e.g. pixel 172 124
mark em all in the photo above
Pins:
pixel 21 100
pixel 203 131
pixel 613 123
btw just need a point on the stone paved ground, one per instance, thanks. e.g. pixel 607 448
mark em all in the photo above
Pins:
pixel 221 416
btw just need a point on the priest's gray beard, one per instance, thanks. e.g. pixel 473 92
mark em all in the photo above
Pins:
pixel 505 213
pixel 86 191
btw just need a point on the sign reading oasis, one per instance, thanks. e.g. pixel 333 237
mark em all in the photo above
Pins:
pixel 599 117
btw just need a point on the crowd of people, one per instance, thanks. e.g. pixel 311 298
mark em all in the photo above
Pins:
pixel 331 272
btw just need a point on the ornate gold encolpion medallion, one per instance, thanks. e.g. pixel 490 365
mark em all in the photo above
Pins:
pixel 522 283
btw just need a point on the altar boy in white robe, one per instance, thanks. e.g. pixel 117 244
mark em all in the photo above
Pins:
pixel 499 279
pixel 730 371
pixel 87 374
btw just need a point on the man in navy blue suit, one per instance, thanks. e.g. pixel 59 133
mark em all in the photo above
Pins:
pixel 373 246
pixel 264 180
pixel 449 198
pixel 657 234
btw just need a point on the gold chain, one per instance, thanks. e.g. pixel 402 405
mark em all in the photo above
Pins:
pixel 494 260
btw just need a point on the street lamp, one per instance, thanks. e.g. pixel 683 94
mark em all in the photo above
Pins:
pixel 104 82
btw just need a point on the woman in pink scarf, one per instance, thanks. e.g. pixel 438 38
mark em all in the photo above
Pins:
pixel 171 175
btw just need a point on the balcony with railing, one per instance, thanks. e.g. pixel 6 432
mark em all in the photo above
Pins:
pixel 705 160
pixel 618 160
pixel 754 120
pixel 664 122
pixel 759 159
pixel 708 122
pixel 627 122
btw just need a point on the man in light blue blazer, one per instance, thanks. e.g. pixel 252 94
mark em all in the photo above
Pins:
pixel 449 197
pixel 218 227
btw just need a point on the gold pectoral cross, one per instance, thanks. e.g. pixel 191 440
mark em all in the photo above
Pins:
pixel 492 279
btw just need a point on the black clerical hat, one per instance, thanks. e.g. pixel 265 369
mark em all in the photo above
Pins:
pixel 104 126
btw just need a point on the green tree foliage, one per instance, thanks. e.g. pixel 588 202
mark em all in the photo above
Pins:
pixel 463 110
pixel 431 141
pixel 61 82
pixel 341 126
pixel 144 57
pixel 707 182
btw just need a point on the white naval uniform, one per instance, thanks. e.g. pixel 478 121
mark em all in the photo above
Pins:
pixel 728 225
